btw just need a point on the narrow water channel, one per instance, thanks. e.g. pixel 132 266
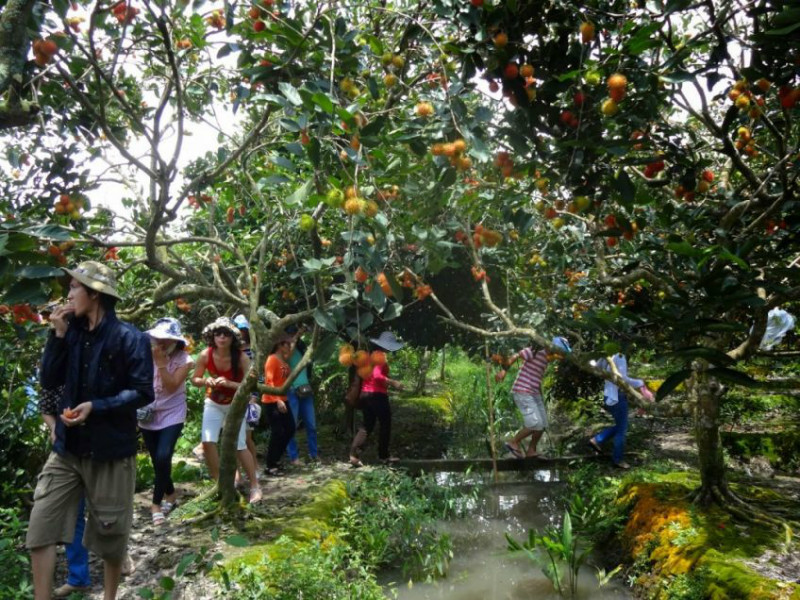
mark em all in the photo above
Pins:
pixel 482 568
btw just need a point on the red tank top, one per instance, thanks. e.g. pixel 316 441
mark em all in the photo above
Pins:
pixel 221 395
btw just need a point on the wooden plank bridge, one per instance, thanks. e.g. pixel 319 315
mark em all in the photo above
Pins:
pixel 454 465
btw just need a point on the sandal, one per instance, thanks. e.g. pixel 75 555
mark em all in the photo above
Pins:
pixel 516 452
pixel 273 472
pixel 255 495
pixel 622 465
pixel 595 446
pixel 167 506
pixel 159 519
pixel 355 463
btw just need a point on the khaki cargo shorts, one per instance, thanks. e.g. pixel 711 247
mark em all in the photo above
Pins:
pixel 108 487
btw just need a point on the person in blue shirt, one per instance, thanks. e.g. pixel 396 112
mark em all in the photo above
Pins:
pixel 615 401
pixel 301 402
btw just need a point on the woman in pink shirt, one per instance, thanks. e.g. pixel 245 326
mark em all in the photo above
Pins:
pixel 374 402
pixel 162 424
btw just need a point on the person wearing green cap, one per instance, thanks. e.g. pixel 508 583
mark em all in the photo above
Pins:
pixel 106 369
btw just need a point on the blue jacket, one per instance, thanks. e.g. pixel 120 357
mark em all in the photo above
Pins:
pixel 120 381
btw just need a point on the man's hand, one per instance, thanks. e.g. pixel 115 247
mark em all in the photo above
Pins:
pixel 77 415
pixel 59 318
pixel 282 406
pixel 500 375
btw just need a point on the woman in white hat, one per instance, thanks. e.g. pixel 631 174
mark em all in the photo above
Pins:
pixel 374 400
pixel 226 365
pixel 162 421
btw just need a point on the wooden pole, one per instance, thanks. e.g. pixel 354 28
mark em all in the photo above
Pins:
pixel 490 400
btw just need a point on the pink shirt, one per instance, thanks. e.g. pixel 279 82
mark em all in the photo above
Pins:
pixel 529 379
pixel 168 409
pixel 376 383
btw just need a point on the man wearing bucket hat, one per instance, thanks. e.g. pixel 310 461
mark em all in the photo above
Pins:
pixel 106 369
pixel 527 393
pixel 374 399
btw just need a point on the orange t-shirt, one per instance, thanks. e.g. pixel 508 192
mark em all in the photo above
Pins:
pixel 276 372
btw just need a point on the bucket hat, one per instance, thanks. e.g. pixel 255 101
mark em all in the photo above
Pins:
pixel 220 323
pixel 167 328
pixel 561 343
pixel 96 276
pixel 387 341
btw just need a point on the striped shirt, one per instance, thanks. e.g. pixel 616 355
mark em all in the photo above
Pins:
pixel 529 379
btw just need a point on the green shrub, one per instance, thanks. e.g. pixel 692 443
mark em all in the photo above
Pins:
pixel 15 576
pixel 294 570
pixel 391 522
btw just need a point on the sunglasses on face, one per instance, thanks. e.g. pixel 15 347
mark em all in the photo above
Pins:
pixel 223 333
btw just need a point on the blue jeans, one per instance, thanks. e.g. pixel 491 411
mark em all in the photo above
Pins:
pixel 77 555
pixel 620 413
pixel 304 409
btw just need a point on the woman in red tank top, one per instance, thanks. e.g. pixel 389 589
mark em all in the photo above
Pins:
pixel 226 365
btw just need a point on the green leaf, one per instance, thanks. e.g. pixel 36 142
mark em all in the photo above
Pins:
pixel 727 254
pixel 291 93
pixel 325 320
pixel 50 232
pixel 184 563
pixel 323 101
pixel 290 125
pixel 684 248
pixel 733 376
pixel 373 127
pixel 300 194
pixel 167 583
pixel 26 290
pixel 312 264
pixel 783 30
pixel 39 272
pixel 712 355
pixel 671 382
pixel 625 187
pixel 393 311
pixel 239 541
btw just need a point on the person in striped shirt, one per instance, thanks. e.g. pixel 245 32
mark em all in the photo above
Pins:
pixel 527 392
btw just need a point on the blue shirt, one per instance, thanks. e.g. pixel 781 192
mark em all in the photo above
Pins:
pixel 611 391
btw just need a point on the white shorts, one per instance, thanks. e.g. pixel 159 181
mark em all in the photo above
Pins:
pixel 534 415
pixel 214 418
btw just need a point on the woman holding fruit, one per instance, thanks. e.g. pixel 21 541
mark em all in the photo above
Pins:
pixel 226 365
pixel 161 422
pixel 373 370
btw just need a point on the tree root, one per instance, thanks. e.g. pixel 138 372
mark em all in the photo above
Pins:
pixel 723 497
pixel 207 495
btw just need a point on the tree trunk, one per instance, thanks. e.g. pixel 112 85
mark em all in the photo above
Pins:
pixel 228 458
pixel 704 395
pixel 424 364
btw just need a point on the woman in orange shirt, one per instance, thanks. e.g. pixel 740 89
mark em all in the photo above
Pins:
pixel 281 422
